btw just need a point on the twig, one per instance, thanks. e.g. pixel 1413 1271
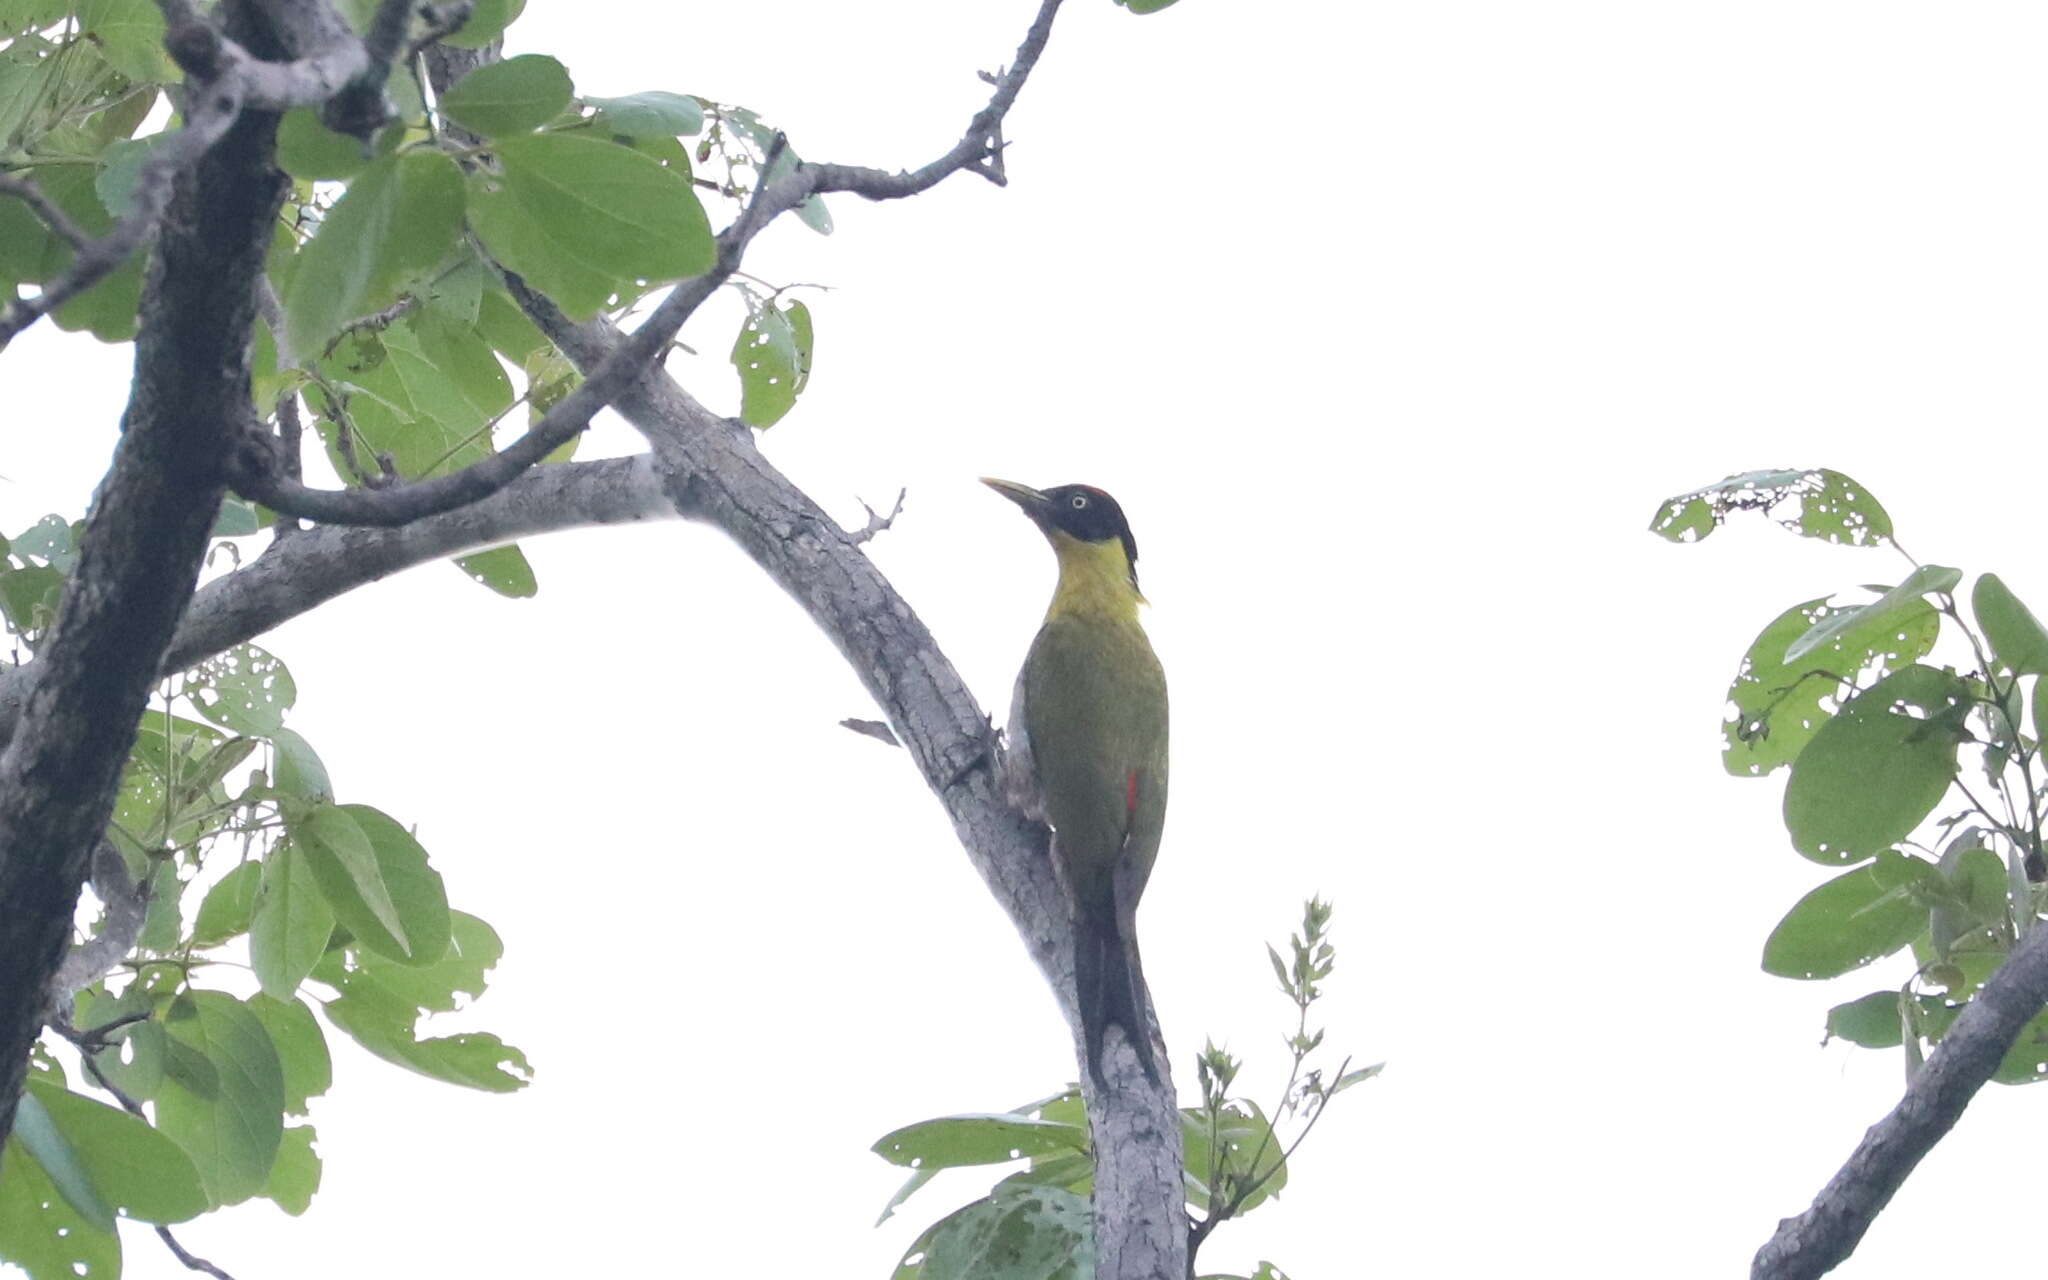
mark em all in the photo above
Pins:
pixel 876 524
pixel 1815 1241
pixel 191 1260
pixel 90 1042
pixel 46 209
pixel 879 730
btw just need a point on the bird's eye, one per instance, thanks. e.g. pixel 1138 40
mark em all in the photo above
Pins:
pixel 1079 501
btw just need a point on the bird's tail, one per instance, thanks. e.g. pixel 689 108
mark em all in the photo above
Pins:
pixel 1109 988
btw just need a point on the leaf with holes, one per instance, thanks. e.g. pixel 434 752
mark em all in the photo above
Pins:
pixel 1873 773
pixel 245 689
pixel 509 97
pixel 502 569
pixel 1777 706
pixel 1830 506
pixel 136 1170
pixel 952 1141
pixel 773 356
pixel 382 1020
pixel 39 1230
pixel 582 219
pixel 1853 919
pixel 1015 1233
pixel 1926 580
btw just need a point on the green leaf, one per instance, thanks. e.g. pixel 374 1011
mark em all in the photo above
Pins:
pixel 500 322
pixel 223 1094
pixel 416 888
pixel 51 540
pixel 1871 1021
pixel 2016 635
pixel 130 36
pixel 951 1141
pixel 40 1135
pixel 301 1048
pixel 345 866
pixel 382 1021
pixel 29 596
pixel 509 97
pixel 310 150
pixel 229 905
pixel 296 1174
pixel 473 950
pixel 426 393
pixel 120 170
pixel 245 689
pixel 1853 919
pixel 487 21
pixel 654 114
pixel 502 569
pixel 1830 506
pixel 297 768
pixel 1871 775
pixel 1927 579
pixel 39 1230
pixel 773 356
pixel 291 924
pixel 398 220
pixel 1016 1233
pixel 135 1170
pixel 134 1058
pixel 1219 1171
pixel 108 309
pixel 1148 6
pixel 581 219
pixel 238 518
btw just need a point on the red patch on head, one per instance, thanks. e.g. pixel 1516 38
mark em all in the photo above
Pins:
pixel 1131 793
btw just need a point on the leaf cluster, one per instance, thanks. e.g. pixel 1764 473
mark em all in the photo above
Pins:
pixel 263 898
pixel 1034 1223
pixel 1924 780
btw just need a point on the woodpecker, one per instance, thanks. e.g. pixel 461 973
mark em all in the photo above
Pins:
pixel 1086 751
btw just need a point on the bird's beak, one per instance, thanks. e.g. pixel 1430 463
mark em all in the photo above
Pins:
pixel 1035 504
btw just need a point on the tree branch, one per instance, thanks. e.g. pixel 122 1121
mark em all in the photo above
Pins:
pixel 140 554
pixel 314 566
pixel 1817 1240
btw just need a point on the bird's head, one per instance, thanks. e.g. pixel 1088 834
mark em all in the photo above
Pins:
pixel 1086 527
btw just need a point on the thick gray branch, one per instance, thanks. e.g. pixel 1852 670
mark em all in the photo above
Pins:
pixel 314 566
pixel 1818 1240
pixel 139 557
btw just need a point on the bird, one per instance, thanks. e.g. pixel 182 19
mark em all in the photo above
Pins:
pixel 1085 751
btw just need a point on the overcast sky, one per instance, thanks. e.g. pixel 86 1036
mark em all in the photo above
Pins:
pixel 1390 325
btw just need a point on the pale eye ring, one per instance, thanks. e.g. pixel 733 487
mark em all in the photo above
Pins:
pixel 1079 502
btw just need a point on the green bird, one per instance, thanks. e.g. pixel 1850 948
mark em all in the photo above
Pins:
pixel 1086 750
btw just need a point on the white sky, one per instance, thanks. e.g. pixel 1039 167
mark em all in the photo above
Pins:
pixel 1389 325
